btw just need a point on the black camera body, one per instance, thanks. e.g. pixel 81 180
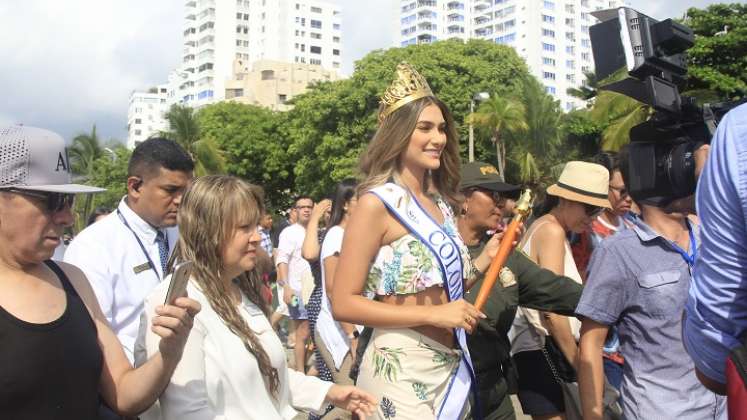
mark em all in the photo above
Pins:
pixel 661 165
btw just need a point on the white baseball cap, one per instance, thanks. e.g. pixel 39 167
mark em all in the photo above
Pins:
pixel 36 159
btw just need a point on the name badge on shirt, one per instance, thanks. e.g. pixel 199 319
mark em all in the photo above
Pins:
pixel 507 277
pixel 142 267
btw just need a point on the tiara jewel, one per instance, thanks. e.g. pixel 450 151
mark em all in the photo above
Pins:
pixel 407 87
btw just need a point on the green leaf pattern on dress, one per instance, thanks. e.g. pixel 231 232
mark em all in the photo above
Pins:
pixel 386 361
pixel 420 390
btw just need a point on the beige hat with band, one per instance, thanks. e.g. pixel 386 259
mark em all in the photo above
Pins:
pixel 583 182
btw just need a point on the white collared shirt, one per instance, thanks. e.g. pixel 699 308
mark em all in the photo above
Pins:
pixel 289 252
pixel 109 254
pixel 217 378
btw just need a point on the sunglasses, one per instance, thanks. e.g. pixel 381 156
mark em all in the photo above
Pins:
pixel 497 197
pixel 53 201
pixel 592 210
pixel 622 191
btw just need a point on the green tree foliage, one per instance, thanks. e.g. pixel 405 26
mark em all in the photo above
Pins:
pixel 110 172
pixel 331 124
pixel 718 61
pixel 498 115
pixel 184 129
pixel 86 148
pixel 588 90
pixel 252 142
pixel 534 150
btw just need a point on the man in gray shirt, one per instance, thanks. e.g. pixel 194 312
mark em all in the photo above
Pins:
pixel 639 281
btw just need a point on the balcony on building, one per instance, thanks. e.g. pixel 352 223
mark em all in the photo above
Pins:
pixel 482 6
pixel 455 29
pixel 191 16
pixel 455 17
pixel 427 26
pixel 484 32
pixel 190 3
pixel 426 3
pixel 426 14
pixel 426 39
pixel 481 20
pixel 454 5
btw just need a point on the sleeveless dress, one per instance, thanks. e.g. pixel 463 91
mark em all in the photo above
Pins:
pixel 407 372
pixel 52 370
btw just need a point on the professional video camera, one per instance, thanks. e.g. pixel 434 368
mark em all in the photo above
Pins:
pixel 661 162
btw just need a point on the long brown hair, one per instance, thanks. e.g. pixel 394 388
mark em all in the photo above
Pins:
pixel 379 163
pixel 209 212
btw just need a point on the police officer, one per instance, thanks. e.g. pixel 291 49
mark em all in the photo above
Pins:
pixel 522 283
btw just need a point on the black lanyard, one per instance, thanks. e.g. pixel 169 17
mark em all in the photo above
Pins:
pixel 688 257
pixel 142 247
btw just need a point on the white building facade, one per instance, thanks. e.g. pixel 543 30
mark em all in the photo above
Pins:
pixel 552 36
pixel 146 114
pixel 217 32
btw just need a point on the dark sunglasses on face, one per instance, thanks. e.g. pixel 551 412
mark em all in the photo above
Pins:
pixel 622 191
pixel 53 201
pixel 496 196
pixel 592 210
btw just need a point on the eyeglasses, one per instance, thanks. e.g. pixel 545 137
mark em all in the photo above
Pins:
pixel 620 190
pixel 592 210
pixel 53 201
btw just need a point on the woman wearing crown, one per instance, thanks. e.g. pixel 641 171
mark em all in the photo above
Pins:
pixel 402 245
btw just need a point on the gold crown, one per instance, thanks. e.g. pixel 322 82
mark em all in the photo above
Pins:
pixel 407 87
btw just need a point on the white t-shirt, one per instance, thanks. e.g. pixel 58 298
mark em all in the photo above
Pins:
pixel 118 269
pixel 289 252
pixel 331 332
pixel 217 378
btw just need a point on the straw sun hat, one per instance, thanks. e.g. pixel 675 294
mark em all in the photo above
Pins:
pixel 583 182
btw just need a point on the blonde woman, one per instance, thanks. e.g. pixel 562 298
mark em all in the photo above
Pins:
pixel 234 366
pixel 416 363
pixel 544 344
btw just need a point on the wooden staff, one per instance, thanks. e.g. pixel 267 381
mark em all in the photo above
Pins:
pixel 522 210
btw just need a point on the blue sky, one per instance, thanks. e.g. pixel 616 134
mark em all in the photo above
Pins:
pixel 69 64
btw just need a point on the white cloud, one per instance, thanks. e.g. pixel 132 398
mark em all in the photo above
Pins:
pixel 69 64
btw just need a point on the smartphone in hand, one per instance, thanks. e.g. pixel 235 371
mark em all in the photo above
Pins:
pixel 178 283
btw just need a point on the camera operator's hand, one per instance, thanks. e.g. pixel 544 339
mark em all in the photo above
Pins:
pixel 701 156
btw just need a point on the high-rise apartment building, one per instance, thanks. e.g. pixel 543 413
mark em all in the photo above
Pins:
pixel 146 114
pixel 552 36
pixel 216 32
pixel 219 32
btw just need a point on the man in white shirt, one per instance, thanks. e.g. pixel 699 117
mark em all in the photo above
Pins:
pixel 124 255
pixel 293 272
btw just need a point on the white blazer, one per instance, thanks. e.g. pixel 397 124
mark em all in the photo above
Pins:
pixel 217 378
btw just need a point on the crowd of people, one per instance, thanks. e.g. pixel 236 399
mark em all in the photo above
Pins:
pixel 362 305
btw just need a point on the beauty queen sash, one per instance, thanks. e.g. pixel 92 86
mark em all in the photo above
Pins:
pixel 403 206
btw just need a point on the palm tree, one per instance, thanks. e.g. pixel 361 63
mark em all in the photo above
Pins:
pixel 499 115
pixel 85 150
pixel 185 130
pixel 621 113
pixel 588 90
pixel 535 146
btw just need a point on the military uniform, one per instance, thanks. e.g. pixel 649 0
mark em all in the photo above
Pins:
pixel 522 282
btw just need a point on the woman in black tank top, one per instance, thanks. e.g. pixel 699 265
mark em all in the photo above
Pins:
pixel 52 370
pixel 58 354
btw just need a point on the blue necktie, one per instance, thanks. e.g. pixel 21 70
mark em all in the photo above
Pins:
pixel 163 250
